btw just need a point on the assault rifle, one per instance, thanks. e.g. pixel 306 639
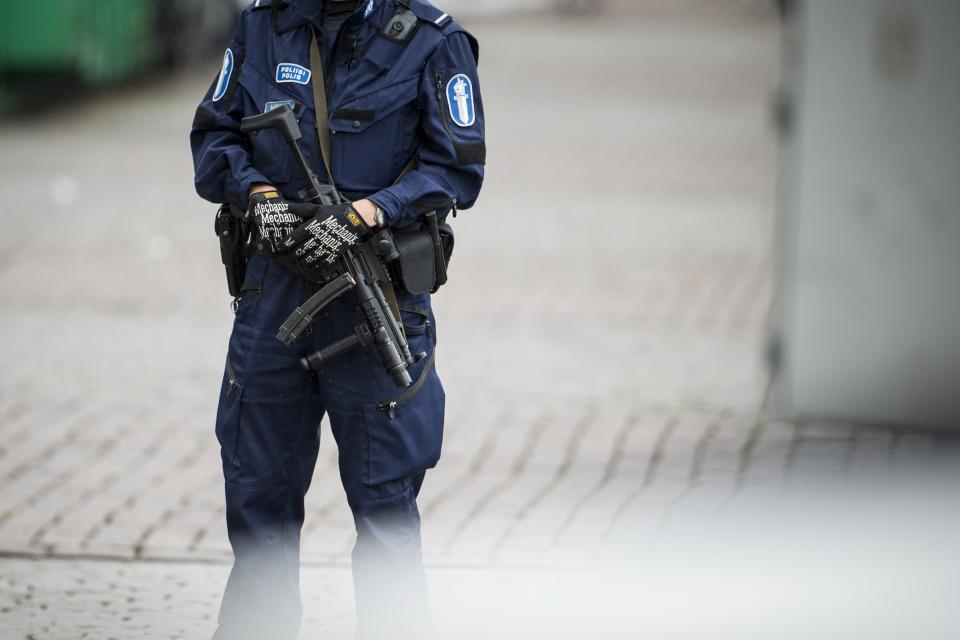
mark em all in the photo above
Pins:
pixel 362 271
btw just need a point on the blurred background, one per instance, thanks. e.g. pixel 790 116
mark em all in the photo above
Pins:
pixel 707 387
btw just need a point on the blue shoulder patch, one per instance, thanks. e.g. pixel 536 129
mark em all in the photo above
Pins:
pixel 460 100
pixel 225 72
pixel 290 72
pixel 371 5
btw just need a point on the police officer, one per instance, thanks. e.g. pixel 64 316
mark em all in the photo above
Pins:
pixel 405 126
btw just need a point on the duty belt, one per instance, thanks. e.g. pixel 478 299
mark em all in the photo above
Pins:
pixel 320 275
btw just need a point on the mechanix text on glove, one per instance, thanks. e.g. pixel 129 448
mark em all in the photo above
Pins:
pixel 274 219
pixel 323 239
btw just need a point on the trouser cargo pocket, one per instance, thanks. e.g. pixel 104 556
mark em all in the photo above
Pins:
pixel 405 432
pixel 228 417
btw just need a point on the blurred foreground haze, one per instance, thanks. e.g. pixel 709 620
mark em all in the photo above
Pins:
pixel 611 467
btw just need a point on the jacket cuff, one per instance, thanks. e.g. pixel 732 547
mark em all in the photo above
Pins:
pixel 391 205
pixel 242 193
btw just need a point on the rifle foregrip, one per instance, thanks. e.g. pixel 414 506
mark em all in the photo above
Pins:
pixel 314 360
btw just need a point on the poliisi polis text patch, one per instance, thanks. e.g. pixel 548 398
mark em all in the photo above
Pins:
pixel 290 72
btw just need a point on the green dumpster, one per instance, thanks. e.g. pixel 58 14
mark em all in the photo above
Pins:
pixel 93 41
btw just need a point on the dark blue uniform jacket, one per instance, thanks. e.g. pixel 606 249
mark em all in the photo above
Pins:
pixel 389 103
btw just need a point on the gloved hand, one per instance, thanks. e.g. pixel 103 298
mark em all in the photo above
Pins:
pixel 274 219
pixel 322 239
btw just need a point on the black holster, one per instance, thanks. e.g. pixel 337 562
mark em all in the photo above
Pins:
pixel 234 235
pixel 424 254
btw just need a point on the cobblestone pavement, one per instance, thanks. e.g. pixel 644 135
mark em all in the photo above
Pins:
pixel 600 342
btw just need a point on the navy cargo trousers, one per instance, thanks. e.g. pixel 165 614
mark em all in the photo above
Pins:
pixel 268 427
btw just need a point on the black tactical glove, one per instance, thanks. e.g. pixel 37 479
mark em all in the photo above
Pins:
pixel 274 219
pixel 322 239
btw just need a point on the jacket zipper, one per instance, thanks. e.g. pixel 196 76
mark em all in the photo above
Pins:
pixel 443 110
pixel 446 122
pixel 354 50
pixel 390 407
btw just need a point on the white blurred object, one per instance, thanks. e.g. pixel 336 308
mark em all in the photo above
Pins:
pixel 64 190
pixel 474 7
pixel 875 562
pixel 158 247
pixel 867 317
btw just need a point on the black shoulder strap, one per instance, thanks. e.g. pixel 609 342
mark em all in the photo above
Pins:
pixel 320 105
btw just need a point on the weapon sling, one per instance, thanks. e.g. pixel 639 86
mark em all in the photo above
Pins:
pixel 326 148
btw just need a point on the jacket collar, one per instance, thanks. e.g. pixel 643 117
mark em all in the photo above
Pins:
pixel 312 10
